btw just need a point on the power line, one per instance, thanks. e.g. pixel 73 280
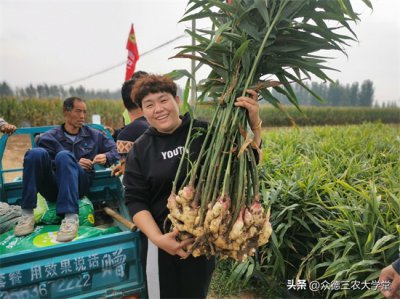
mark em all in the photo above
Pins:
pixel 123 62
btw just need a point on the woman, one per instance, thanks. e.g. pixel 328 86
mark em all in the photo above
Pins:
pixel 151 167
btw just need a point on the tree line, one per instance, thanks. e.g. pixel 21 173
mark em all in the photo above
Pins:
pixel 57 91
pixel 333 93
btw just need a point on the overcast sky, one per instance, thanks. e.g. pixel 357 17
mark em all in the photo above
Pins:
pixel 59 41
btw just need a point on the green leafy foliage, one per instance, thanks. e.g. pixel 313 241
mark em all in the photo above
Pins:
pixel 335 195
pixel 335 201
pixel 266 41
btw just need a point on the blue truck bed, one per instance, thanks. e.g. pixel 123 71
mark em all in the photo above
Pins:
pixel 106 266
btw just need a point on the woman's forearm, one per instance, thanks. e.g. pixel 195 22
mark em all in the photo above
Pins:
pixel 146 223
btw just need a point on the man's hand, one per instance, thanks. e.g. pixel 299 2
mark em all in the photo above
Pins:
pixel 112 131
pixel 100 159
pixel 86 164
pixel 390 274
pixel 118 169
pixel 8 129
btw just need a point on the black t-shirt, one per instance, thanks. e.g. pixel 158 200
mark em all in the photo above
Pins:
pixel 151 167
pixel 152 164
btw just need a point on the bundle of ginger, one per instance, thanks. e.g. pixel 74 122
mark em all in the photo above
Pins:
pixel 217 234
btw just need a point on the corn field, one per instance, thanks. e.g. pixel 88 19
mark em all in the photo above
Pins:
pixel 44 112
pixel 334 194
pixel 40 112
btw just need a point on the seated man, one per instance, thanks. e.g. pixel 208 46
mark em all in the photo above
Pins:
pixel 61 168
pixel 6 128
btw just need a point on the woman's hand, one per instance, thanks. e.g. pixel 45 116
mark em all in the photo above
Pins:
pixel 168 243
pixel 253 109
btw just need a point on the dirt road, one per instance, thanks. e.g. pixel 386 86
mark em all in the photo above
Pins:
pixel 14 153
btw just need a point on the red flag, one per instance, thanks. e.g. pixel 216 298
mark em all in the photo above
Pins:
pixel 133 54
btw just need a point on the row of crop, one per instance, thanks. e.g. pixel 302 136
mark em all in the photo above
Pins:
pixel 36 112
pixel 311 116
pixel 335 210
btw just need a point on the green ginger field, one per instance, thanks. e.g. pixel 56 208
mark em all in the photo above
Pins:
pixel 334 194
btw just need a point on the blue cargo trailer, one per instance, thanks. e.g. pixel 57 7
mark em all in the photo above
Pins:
pixel 105 266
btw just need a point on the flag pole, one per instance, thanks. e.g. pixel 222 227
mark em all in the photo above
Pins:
pixel 133 54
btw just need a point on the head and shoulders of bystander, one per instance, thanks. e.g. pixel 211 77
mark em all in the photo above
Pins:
pixel 138 124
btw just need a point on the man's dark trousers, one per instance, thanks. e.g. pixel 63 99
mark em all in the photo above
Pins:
pixel 63 181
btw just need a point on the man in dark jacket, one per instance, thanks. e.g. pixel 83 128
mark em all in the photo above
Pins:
pixel 132 111
pixel 138 125
pixel 61 169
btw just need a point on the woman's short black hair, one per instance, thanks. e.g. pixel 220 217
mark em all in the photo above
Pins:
pixel 152 84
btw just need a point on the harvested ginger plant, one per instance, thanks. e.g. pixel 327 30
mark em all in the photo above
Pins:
pixel 259 45
pixel 217 234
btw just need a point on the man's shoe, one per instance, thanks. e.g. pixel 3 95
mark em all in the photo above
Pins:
pixel 8 225
pixel 68 230
pixel 25 226
pixel 8 212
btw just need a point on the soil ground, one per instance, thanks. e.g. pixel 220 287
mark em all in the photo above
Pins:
pixel 14 153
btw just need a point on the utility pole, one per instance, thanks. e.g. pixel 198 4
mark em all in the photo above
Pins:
pixel 193 71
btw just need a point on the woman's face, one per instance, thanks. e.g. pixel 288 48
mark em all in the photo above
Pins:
pixel 162 111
